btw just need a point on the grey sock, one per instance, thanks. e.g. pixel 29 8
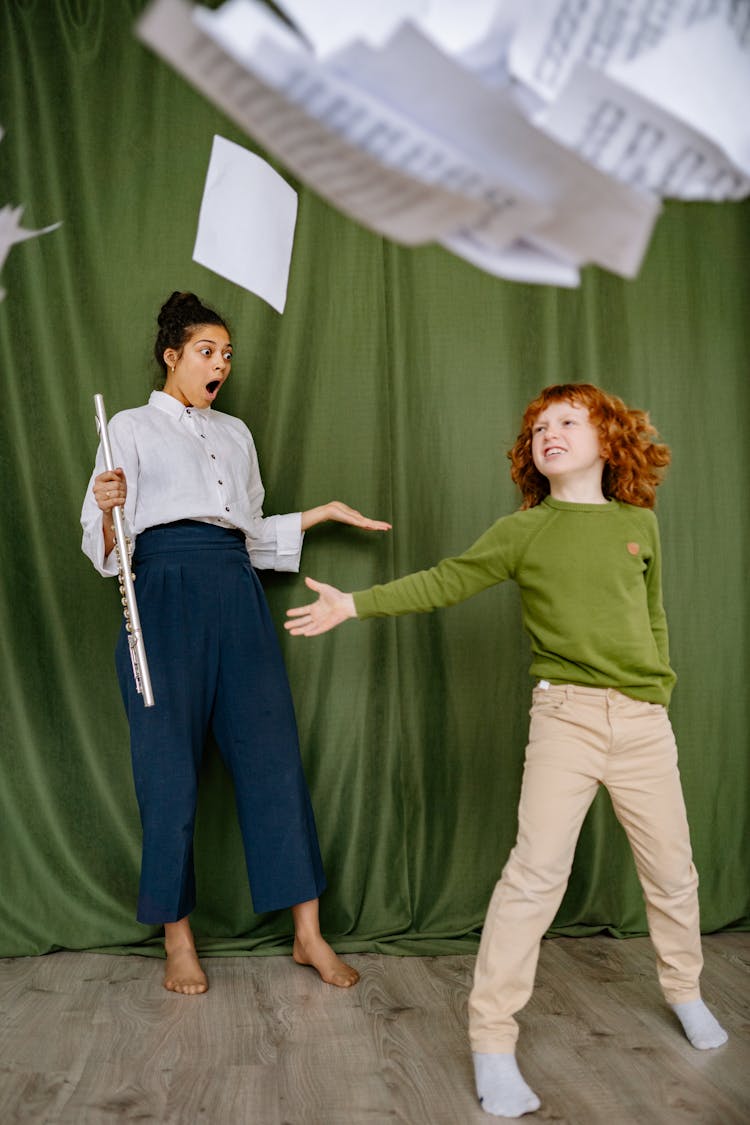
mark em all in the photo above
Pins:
pixel 699 1025
pixel 501 1088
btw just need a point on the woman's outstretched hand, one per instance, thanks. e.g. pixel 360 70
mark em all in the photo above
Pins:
pixel 341 513
pixel 332 607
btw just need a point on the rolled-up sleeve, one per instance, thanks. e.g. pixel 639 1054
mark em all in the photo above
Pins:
pixel 276 542
pixel 126 458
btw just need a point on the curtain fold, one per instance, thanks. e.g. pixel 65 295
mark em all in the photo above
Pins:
pixel 395 381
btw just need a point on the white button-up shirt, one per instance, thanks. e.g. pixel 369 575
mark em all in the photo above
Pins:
pixel 181 463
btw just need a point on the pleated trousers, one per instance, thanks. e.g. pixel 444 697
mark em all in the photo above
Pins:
pixel 581 738
pixel 215 664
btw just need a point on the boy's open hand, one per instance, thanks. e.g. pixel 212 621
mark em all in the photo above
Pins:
pixel 332 607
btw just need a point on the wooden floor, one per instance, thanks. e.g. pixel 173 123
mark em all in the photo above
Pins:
pixel 88 1039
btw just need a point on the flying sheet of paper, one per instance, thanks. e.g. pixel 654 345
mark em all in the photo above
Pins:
pixel 583 216
pixel 701 75
pixel 556 35
pixel 526 183
pixel 12 232
pixel 368 122
pixel 420 135
pixel 482 47
pixel 521 261
pixel 246 222
pixel 638 143
pixel 457 28
pixel 330 24
pixel 393 203
pixel 648 92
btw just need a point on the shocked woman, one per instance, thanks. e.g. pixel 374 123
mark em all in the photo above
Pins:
pixel 192 496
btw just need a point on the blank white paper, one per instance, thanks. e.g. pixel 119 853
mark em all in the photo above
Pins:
pixel 246 222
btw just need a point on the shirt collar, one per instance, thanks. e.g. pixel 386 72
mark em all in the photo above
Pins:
pixel 170 405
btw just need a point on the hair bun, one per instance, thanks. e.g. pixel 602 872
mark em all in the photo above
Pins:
pixel 179 308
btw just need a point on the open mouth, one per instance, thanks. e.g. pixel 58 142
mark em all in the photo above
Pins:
pixel 213 386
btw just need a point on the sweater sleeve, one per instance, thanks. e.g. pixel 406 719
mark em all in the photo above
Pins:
pixel 656 612
pixel 487 562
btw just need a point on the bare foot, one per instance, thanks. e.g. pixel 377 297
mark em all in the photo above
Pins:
pixel 317 952
pixel 183 973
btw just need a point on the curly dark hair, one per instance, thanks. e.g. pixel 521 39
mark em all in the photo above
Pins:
pixel 635 460
pixel 178 314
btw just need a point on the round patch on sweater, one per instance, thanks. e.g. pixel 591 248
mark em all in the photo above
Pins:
pixel 634 548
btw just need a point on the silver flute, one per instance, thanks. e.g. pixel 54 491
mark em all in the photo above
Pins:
pixel 127 589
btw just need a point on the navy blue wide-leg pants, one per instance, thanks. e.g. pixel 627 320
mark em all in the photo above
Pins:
pixel 215 663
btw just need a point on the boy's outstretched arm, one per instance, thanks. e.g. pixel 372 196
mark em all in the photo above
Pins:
pixel 332 607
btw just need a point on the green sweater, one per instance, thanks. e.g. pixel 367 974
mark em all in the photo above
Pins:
pixel 590 582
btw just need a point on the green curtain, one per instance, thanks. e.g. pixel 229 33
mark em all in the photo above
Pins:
pixel 395 381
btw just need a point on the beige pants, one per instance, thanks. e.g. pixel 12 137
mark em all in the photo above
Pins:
pixel 580 738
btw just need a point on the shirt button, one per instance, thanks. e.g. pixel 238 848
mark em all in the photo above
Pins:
pixel 221 482
pixel 213 456
pixel 226 509
pixel 203 435
pixel 187 412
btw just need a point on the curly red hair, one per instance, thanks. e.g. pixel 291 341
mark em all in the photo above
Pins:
pixel 635 460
